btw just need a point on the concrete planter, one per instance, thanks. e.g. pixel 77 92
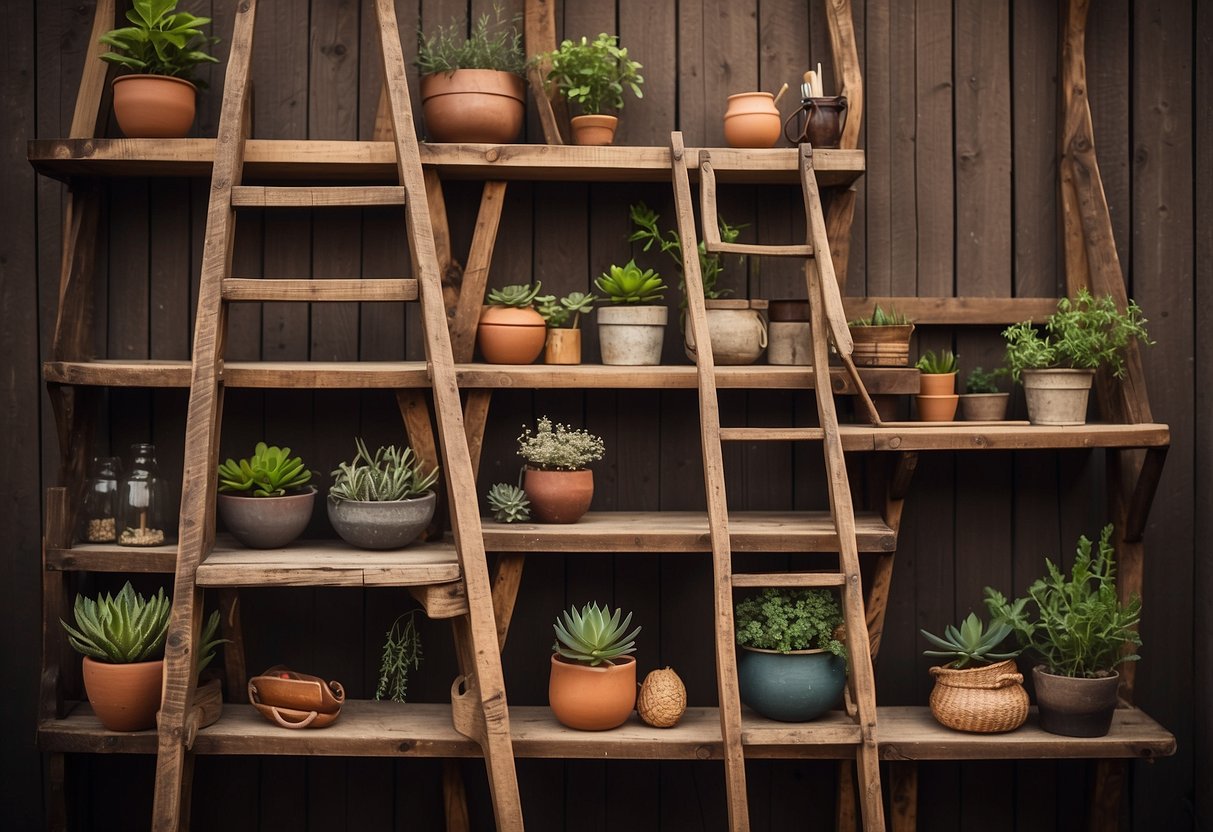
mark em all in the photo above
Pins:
pixel 266 522
pixel 1075 707
pixel 381 525
pixel 631 335
pixel 737 330
pixel 984 407
pixel 1057 397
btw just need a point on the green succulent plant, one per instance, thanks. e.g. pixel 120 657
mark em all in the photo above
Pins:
pixel 270 473
pixel 389 475
pixel 509 503
pixel 594 635
pixel 972 643
pixel 161 41
pixel 558 311
pixel 629 284
pixel 979 381
pixel 517 295
pixel 934 365
pixel 881 318
pixel 122 628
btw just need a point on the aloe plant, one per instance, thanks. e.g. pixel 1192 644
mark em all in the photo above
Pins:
pixel 594 634
pixel 629 284
pixel 388 475
pixel 881 318
pixel 160 41
pixel 120 629
pixel 517 295
pixel 270 473
pixel 509 503
pixel 936 365
pixel 971 643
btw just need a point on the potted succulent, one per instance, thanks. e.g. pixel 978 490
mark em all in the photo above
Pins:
pixel 593 75
pixel 382 501
pixel 982 401
pixel 593 682
pixel 510 330
pixel 1081 631
pixel 792 665
pixel 122 640
pixel 160 48
pixel 631 330
pixel 509 503
pixel 937 386
pixel 265 502
pixel 472 87
pixel 563 344
pixel 1057 368
pixel 978 690
pixel 557 481
pixel 881 340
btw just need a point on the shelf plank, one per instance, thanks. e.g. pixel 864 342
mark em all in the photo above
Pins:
pixel 999 436
pixel 330 563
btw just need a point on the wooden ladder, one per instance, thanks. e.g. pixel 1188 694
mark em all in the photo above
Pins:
pixel 826 316
pixel 478 696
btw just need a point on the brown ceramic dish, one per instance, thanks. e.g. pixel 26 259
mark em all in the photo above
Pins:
pixel 296 700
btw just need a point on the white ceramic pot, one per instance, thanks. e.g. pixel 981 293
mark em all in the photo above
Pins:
pixel 1057 397
pixel 738 330
pixel 631 335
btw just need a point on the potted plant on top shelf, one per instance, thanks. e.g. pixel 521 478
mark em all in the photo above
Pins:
pixel 979 690
pixel 881 340
pixel 265 502
pixel 563 344
pixel 510 330
pixel 557 480
pixel 594 75
pixel 631 330
pixel 161 48
pixel 937 386
pixel 382 501
pixel 472 87
pixel 982 401
pixel 593 679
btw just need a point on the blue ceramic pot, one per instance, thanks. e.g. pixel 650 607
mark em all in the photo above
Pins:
pixel 790 687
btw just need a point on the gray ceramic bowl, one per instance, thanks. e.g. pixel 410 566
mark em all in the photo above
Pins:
pixel 381 525
pixel 266 522
pixel 790 687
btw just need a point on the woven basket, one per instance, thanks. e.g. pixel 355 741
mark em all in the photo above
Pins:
pixel 982 700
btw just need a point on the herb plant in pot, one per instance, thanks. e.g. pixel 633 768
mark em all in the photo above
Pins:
pixel 160 48
pixel 1057 368
pixel 982 401
pixel 563 345
pixel 382 501
pixel 265 502
pixel 792 665
pixel 593 679
pixel 472 87
pixel 594 75
pixel 632 329
pixel 1081 631
pixel 978 690
pixel 937 397
pixel 557 480
pixel 882 340
pixel 510 330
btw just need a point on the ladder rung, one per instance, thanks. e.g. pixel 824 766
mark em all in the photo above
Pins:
pixel 802 250
pixel 274 196
pixel 771 434
pixel 759 579
pixel 259 289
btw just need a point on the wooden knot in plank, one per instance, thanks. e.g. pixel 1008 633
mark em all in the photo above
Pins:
pixel 702 752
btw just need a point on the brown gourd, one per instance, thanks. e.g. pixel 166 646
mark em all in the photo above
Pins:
pixel 663 699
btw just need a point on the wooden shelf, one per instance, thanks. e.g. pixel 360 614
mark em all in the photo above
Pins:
pixel 1000 436
pixel 423 730
pixel 376 161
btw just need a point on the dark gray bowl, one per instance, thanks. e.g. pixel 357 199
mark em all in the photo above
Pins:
pixel 266 522
pixel 381 525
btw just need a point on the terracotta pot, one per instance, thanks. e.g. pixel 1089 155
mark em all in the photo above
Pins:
pixel 936 384
pixel 509 335
pixel 1057 397
pixel 737 329
pixel 1075 707
pixel 984 407
pixel 882 346
pixel 592 698
pixel 125 697
pixel 631 335
pixel 558 496
pixel 266 522
pixel 473 105
pixel 937 408
pixel 981 700
pixel 154 106
pixel 594 129
pixel 563 346
pixel 374 524
pixel 751 120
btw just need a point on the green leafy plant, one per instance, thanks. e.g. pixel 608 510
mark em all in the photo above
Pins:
pixel 1085 333
pixel 711 266
pixel 161 41
pixel 122 628
pixel 1077 625
pixel 559 447
pixel 389 475
pixel 517 295
pixel 934 365
pixel 509 503
pixel 594 635
pixel 628 284
pixel 401 653
pixel 971 643
pixel 594 74
pixel 790 619
pixel 272 472
pixel 881 318
pixel 979 381
pixel 493 44
pixel 208 643
pixel 558 312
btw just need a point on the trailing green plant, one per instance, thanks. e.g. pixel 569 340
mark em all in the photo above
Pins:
pixel 389 475
pixel 971 643
pixel 629 284
pixel 207 643
pixel 594 635
pixel 785 619
pixel 934 365
pixel 161 41
pixel 492 44
pixel 517 295
pixel 120 629
pixel 272 472
pixel 594 74
pixel 711 266
pixel 558 312
pixel 881 318
pixel 979 381
pixel 401 653
pixel 509 503
pixel 1085 334
pixel 559 447
pixel 1076 625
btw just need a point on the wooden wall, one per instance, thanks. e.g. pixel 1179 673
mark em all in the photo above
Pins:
pixel 960 197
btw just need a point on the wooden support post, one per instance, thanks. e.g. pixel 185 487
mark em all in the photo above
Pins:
pixel 1106 795
pixel 903 795
pixel 1143 494
pixel 469 295
pixel 455 798
pixel 539 30
pixel 56 792
pixel 841 213
pixel 235 671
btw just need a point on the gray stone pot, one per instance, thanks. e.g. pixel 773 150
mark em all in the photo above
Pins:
pixel 1075 707
pixel 984 407
pixel 631 335
pixel 1057 397
pixel 266 522
pixel 381 525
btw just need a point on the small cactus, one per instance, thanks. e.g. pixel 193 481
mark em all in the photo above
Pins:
pixel 509 503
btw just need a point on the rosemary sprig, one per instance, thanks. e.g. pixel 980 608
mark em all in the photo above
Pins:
pixel 401 651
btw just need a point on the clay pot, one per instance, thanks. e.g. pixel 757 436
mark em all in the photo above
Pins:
pixel 937 384
pixel 1075 707
pixel 937 408
pixel 563 346
pixel 594 129
pixel 266 522
pixel 125 697
pixel 882 346
pixel 374 524
pixel 751 120
pixel 592 698
pixel 821 123
pixel 1057 397
pixel 981 700
pixel 738 331
pixel 154 106
pixel 473 105
pixel 789 333
pixel 296 700
pixel 984 407
pixel 631 335
pixel 790 687
pixel 558 496
pixel 509 335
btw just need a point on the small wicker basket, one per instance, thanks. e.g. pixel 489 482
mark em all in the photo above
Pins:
pixel 982 700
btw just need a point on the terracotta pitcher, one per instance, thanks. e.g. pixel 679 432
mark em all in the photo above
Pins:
pixel 823 122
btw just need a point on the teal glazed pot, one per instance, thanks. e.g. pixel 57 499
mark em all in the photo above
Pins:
pixel 790 687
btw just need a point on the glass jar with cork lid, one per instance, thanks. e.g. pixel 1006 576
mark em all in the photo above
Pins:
pixel 142 499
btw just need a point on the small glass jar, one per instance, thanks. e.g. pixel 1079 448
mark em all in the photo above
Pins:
pixel 99 508
pixel 142 501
